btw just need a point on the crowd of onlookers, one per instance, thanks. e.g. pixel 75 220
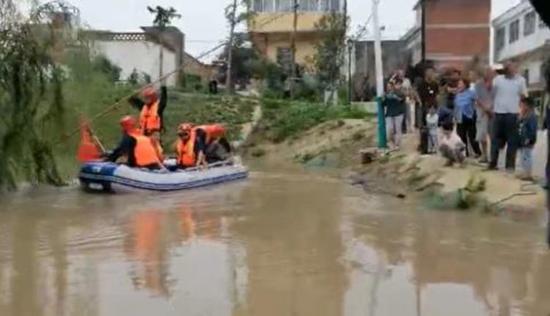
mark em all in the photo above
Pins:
pixel 473 114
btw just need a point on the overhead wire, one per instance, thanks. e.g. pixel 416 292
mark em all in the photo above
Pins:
pixel 115 105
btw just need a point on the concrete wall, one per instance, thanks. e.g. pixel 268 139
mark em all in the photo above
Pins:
pixel 140 55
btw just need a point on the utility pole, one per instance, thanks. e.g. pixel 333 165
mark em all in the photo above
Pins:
pixel 377 50
pixel 293 49
pixel 423 30
pixel 228 80
pixel 350 79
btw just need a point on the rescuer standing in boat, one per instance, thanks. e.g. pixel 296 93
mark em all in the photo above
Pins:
pixel 151 108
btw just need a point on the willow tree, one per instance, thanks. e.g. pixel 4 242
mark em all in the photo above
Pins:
pixel 31 98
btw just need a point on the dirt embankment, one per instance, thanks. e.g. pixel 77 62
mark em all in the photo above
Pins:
pixel 337 144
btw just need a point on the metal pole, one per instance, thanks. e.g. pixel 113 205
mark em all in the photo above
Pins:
pixel 377 50
pixel 229 81
pixel 382 137
pixel 350 82
pixel 293 49
pixel 423 30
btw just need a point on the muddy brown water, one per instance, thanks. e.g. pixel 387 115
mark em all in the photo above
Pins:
pixel 284 242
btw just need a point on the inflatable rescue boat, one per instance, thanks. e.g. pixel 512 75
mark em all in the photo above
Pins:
pixel 112 177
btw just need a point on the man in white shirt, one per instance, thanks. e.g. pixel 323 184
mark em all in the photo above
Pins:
pixel 507 92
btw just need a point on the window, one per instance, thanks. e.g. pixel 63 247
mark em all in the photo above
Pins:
pixel 285 5
pixel 309 5
pixel 514 31
pixel 500 39
pixel 526 76
pixel 329 5
pixel 258 5
pixel 335 5
pixel 529 23
pixel 284 57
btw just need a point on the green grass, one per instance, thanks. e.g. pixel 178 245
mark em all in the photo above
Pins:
pixel 283 119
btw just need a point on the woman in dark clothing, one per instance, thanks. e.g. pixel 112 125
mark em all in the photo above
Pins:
pixel 465 101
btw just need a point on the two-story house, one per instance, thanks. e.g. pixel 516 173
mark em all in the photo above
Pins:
pixel 272 25
pixel 521 35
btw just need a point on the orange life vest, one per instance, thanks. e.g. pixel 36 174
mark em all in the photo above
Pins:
pixel 158 149
pixel 145 151
pixel 213 131
pixel 186 151
pixel 149 119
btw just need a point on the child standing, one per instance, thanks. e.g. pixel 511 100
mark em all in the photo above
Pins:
pixel 432 122
pixel 528 128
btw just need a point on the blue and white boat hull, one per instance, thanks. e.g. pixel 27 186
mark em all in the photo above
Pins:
pixel 111 177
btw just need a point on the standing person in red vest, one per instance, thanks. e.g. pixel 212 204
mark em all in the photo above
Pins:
pixel 151 108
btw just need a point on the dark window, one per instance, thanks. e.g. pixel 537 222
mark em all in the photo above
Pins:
pixel 285 5
pixel 526 76
pixel 529 23
pixel 284 57
pixel 335 5
pixel 309 5
pixel 500 39
pixel 514 31
pixel 258 6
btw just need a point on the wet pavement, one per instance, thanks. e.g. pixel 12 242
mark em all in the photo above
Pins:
pixel 282 243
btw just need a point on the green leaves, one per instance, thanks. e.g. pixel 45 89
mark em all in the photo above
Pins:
pixel 163 16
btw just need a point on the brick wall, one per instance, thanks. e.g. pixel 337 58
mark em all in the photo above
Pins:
pixel 458 11
pixel 458 42
pixel 458 29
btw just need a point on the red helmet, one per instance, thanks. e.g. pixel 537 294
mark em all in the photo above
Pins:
pixel 128 123
pixel 149 93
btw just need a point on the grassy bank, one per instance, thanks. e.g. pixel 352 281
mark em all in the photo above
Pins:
pixel 283 119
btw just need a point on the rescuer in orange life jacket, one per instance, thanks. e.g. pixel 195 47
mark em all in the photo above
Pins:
pixel 139 150
pixel 198 146
pixel 151 109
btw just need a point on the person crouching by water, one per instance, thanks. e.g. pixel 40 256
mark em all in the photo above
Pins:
pixel 528 128
pixel 140 151
pixel 451 146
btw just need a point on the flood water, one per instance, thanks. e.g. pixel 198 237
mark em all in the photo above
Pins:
pixel 280 243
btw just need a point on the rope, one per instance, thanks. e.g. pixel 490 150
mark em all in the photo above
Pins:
pixel 115 105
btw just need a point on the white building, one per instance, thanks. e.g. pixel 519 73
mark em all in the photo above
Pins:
pixel 139 51
pixel 520 34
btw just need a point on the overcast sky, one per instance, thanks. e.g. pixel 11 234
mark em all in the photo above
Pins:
pixel 204 24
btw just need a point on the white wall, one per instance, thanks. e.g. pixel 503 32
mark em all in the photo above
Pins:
pixel 140 55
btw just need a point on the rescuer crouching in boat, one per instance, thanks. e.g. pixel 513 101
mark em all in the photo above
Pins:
pixel 201 145
pixel 140 151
